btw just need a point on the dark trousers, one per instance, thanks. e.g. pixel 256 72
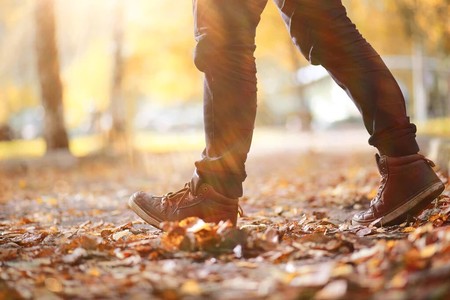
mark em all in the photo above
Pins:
pixel 225 35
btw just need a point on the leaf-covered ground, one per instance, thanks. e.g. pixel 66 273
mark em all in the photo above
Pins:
pixel 68 234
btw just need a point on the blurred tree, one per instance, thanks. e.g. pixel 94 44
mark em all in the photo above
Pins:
pixel 275 48
pixel 17 72
pixel 50 82
pixel 117 107
pixel 159 45
pixel 381 26
pixel 427 23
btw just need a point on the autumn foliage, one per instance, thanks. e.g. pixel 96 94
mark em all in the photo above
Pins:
pixel 68 234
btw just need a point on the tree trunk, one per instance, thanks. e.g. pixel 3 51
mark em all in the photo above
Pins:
pixel 50 82
pixel 419 89
pixel 118 131
pixel 304 111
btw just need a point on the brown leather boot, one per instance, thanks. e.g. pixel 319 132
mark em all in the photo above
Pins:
pixel 196 199
pixel 408 184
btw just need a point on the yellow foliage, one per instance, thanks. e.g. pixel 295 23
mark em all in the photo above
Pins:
pixel 273 40
pixel 79 146
pixel 15 97
pixel 379 25
pixel 427 20
pixel 87 82
pixel 435 127
pixel 22 148
pixel 160 41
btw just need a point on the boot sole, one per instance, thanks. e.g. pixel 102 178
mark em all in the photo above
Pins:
pixel 420 200
pixel 141 213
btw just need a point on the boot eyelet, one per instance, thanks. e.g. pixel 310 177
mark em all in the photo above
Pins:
pixel 205 189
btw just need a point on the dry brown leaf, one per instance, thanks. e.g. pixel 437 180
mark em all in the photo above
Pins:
pixel 334 290
pixel 75 256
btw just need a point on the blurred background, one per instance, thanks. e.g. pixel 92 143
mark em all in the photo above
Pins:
pixel 86 76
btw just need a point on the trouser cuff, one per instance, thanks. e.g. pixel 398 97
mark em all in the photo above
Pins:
pixel 396 142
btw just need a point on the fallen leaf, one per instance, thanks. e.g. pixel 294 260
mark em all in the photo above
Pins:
pixel 191 288
pixel 334 290
pixel 121 235
pixel 429 251
pixel 74 257
pixel 313 276
pixel 53 285
pixel 8 254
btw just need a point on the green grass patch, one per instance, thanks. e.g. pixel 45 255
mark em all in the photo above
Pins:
pixel 435 127
pixel 79 146
pixel 22 148
pixel 170 142
pixel 84 145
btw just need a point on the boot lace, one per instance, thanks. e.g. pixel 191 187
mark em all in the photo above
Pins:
pixel 377 198
pixel 175 198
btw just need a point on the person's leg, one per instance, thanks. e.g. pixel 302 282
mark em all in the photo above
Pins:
pixel 326 36
pixel 225 34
